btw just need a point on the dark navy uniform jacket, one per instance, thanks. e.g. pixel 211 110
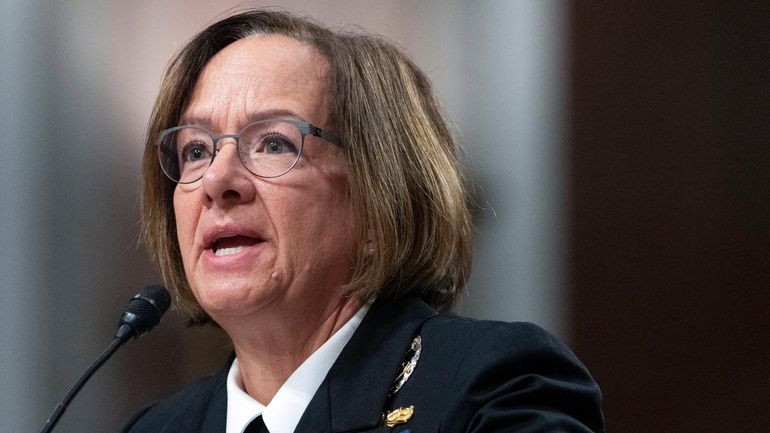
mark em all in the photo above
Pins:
pixel 471 376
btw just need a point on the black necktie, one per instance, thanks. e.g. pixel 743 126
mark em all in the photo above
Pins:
pixel 256 426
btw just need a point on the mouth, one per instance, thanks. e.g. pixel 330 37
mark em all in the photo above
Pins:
pixel 229 245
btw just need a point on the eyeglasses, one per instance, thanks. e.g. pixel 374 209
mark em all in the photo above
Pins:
pixel 268 148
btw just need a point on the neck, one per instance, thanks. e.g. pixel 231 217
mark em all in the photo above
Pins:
pixel 271 345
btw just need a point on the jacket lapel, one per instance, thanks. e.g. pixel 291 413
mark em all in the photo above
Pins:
pixel 355 391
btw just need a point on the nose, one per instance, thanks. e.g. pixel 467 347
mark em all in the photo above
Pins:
pixel 227 182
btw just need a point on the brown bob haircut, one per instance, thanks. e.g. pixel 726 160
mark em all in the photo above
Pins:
pixel 410 201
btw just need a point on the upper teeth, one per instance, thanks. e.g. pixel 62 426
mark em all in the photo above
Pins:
pixel 227 251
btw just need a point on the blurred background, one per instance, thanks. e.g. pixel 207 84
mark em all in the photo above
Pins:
pixel 622 165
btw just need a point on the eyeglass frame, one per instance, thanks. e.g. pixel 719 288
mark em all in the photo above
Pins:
pixel 305 128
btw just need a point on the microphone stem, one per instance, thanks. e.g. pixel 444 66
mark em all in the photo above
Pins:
pixel 61 407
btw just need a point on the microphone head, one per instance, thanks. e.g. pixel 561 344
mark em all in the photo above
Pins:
pixel 143 312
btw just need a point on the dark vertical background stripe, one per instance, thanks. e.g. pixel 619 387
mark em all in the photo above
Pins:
pixel 669 208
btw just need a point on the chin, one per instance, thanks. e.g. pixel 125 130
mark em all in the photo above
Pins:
pixel 235 298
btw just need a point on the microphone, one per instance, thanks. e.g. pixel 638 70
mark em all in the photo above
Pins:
pixel 142 313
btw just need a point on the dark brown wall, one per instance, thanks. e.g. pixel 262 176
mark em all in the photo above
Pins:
pixel 670 212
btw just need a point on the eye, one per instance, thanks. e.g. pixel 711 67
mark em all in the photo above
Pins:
pixel 276 144
pixel 195 151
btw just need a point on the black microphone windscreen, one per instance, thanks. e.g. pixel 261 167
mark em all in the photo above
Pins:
pixel 156 296
pixel 144 312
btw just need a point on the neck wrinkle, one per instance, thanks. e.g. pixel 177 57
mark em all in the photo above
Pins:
pixel 267 359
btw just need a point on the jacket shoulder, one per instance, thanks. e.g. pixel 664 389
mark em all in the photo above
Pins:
pixel 501 376
pixel 468 329
pixel 480 341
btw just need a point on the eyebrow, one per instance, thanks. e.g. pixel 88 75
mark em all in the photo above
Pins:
pixel 276 113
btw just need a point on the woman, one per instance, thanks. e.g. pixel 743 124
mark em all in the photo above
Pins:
pixel 309 201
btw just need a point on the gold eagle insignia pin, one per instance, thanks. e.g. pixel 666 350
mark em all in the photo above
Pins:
pixel 399 416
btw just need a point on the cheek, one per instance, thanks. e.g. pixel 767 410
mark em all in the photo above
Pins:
pixel 315 220
pixel 331 222
pixel 185 216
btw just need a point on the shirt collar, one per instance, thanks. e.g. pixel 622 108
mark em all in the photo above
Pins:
pixel 282 414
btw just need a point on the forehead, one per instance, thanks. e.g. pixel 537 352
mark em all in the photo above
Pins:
pixel 260 77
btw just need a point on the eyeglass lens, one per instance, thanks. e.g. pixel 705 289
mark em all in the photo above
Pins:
pixel 267 149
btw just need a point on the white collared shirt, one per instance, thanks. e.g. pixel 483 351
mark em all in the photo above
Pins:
pixel 283 412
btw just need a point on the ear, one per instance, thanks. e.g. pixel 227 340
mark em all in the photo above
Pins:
pixel 370 245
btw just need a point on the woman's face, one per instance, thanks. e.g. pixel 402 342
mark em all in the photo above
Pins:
pixel 248 243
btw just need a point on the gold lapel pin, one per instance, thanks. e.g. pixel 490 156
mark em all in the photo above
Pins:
pixel 399 416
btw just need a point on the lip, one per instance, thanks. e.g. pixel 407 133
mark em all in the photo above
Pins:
pixel 243 258
pixel 225 231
